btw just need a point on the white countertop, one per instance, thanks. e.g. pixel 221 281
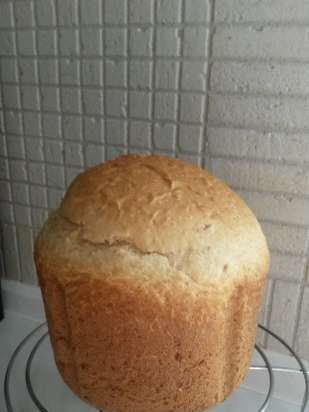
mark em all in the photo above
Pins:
pixel 19 321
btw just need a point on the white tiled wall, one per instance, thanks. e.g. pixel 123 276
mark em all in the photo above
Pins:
pixel 220 83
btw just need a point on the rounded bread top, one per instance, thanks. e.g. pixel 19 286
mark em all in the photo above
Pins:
pixel 164 206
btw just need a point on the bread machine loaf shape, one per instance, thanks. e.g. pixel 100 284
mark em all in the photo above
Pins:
pixel 152 272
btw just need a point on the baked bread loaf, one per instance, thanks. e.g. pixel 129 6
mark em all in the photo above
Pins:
pixel 152 272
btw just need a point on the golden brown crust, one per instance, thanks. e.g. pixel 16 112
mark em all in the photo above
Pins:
pixel 126 348
pixel 155 206
pixel 152 272
pixel 155 203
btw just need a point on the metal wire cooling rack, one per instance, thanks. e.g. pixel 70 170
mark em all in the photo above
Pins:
pixel 40 337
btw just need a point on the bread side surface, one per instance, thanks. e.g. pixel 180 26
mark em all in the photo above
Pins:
pixel 126 345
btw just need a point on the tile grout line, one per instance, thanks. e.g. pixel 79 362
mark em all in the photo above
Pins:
pixel 227 93
pixel 256 94
pixel 40 120
pixel 21 118
pixel 81 84
pixel 251 127
pixel 214 59
pixel 204 149
pixel 2 222
pixel 240 160
pixel 254 127
pixel 179 80
pixel 232 24
pixel 38 84
pixel 302 285
pixel 271 221
pixel 143 119
pixel 254 161
pixel 120 88
pixel 39 95
pixel 59 85
pixel 153 89
pixel 112 56
pixel 270 192
pixel 128 77
pixel 104 68
pixel 259 160
pixel 111 25
pixel 26 160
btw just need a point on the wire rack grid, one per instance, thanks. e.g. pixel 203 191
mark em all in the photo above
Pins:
pixel 268 367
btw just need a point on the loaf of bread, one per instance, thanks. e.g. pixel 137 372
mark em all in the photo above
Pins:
pixel 152 272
